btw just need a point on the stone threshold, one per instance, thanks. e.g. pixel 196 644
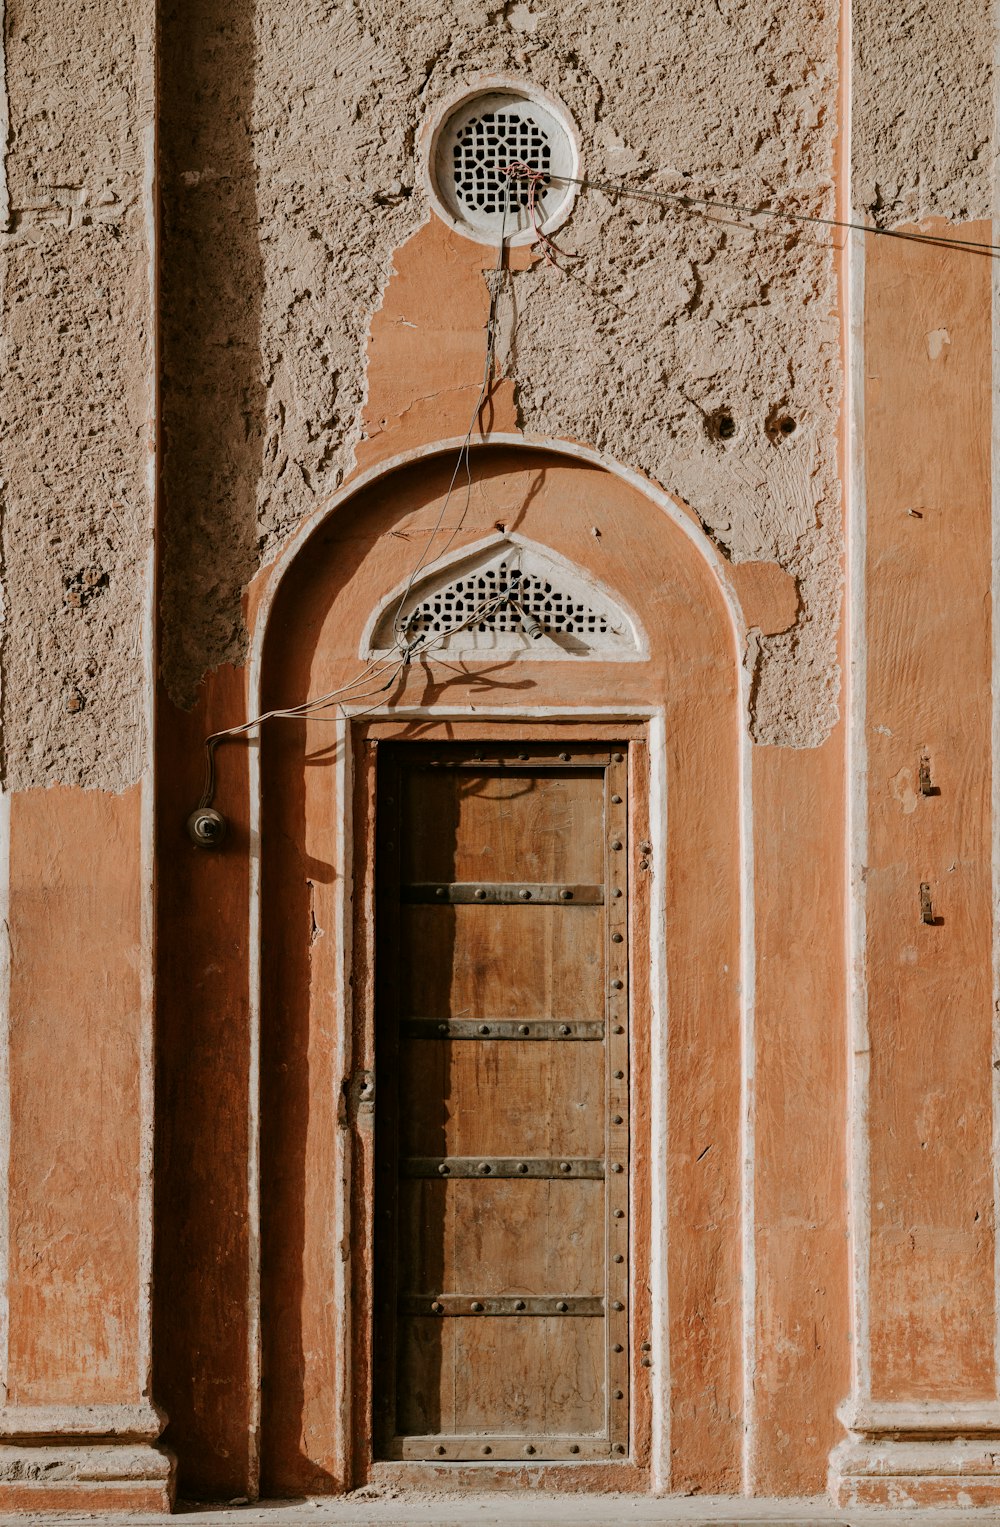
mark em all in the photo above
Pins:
pixel 525 1508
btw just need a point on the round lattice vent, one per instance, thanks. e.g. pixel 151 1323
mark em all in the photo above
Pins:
pixel 475 145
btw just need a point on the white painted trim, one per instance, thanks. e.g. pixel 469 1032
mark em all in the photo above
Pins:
pixel 655 721
pixel 147 824
pixel 147 986
pixel 748 1099
pixel 137 1422
pixel 106 1478
pixel 601 713
pixel 430 137
pixel 896 1466
pixel 659 1121
pixel 254 950
pixel 567 448
pixel 343 935
pixel 878 1417
pixel 686 525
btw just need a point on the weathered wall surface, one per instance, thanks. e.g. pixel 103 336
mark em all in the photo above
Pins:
pixel 75 407
pixel 291 173
pixel 315 317
pixel 924 110
pixel 923 1109
pixel 76 530
pixel 313 313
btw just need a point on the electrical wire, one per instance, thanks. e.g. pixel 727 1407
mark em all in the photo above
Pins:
pixel 342 697
pixel 464 450
pixel 706 204
pixel 698 204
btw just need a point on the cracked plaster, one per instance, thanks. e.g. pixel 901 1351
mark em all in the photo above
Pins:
pixel 289 178
pixel 924 110
pixel 303 121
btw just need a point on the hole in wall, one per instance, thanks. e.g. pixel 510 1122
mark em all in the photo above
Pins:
pixel 720 425
pixel 780 424
pixel 82 587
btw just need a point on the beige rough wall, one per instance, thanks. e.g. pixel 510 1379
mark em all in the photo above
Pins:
pixel 289 176
pixel 302 121
pixel 924 110
pixel 75 347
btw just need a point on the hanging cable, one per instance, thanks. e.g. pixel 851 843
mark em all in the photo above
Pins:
pixel 464 450
pixel 535 178
pixel 403 650
pixel 206 826
pixel 704 203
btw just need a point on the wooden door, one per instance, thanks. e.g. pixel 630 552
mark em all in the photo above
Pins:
pixel 502 1117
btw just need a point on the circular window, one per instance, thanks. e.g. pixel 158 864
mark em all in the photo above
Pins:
pixel 478 147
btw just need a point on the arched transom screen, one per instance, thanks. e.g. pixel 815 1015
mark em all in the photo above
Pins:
pixel 510 597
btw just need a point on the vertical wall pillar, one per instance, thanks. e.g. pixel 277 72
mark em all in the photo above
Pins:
pixel 924 1402
pixel 78 1426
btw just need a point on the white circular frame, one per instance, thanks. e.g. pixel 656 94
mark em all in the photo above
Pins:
pixel 437 163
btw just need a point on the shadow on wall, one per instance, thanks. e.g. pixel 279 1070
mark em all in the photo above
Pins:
pixel 212 420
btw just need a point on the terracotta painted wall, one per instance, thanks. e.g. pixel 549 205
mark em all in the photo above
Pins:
pixel 930 985
pixel 77 330
pixel 225 299
pixel 923 1085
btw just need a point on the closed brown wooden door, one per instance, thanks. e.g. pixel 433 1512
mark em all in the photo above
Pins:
pixel 502 1116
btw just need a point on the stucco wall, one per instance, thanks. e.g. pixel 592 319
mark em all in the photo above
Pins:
pixel 312 318
pixel 76 406
pixel 291 173
pixel 924 110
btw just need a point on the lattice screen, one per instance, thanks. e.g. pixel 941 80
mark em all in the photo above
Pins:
pixel 482 137
pixel 545 605
pixel 485 145
pixel 515 598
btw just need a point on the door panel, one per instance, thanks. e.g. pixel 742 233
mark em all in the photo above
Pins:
pixel 553 1383
pixel 514 962
pixel 464 1233
pixel 511 825
pixel 502 1122
pixel 497 1099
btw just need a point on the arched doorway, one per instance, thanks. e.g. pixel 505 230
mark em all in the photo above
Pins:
pixel 653 721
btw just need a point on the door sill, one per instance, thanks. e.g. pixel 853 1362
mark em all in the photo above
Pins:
pixel 368 1508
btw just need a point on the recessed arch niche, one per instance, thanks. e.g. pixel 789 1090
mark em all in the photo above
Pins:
pixel 682 693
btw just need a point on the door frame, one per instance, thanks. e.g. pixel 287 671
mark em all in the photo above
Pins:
pixel 642 734
pixel 632 1469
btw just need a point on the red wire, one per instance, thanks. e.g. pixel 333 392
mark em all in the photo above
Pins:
pixel 534 178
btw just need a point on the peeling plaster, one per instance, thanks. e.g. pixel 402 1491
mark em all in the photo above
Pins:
pixel 304 126
pixel 289 178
